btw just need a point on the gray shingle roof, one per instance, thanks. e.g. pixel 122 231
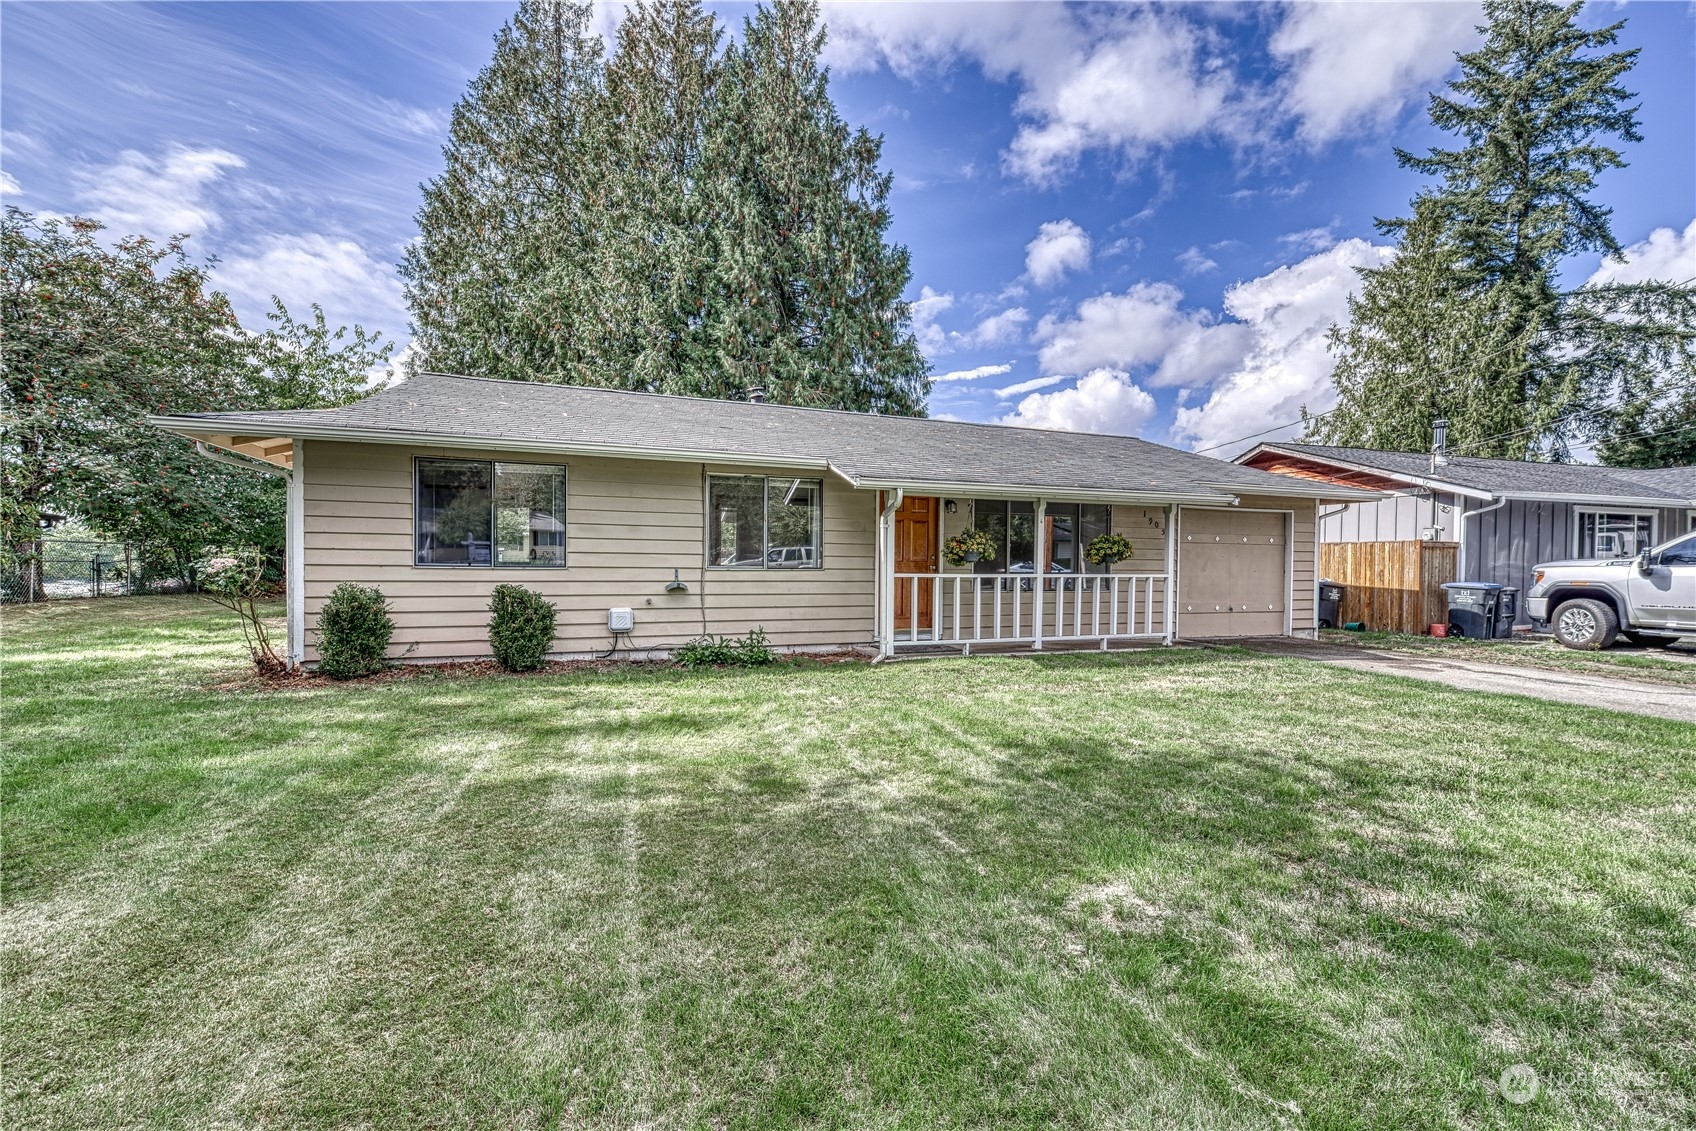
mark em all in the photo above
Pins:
pixel 1520 478
pixel 863 447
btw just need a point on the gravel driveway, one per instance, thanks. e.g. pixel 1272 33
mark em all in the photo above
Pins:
pixel 1662 700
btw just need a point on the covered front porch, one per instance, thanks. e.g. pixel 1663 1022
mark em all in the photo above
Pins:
pixel 1037 590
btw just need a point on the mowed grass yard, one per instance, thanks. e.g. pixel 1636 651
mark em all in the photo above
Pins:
pixel 1175 888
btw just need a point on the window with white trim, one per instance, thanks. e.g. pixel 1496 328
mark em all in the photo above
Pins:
pixel 764 522
pixel 1613 534
pixel 470 512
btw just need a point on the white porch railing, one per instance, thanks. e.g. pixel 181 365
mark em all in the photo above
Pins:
pixel 1020 608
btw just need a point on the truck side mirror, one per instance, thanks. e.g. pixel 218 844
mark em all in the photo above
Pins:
pixel 1645 565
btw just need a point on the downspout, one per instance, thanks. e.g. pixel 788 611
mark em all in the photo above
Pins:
pixel 1460 527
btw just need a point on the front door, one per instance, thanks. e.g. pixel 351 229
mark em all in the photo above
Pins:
pixel 916 541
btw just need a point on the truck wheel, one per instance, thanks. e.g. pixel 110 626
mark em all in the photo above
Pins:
pixel 1586 625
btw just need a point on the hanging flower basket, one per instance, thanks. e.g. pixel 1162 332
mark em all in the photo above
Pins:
pixel 969 546
pixel 1105 549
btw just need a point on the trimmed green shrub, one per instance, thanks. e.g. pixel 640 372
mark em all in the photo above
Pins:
pixel 521 627
pixel 353 631
pixel 750 651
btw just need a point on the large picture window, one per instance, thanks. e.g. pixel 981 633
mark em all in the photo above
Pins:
pixel 482 513
pixel 1067 528
pixel 755 522
pixel 1622 534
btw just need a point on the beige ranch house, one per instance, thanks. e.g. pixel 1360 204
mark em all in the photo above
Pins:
pixel 824 528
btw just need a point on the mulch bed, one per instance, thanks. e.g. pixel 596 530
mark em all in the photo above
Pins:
pixel 484 669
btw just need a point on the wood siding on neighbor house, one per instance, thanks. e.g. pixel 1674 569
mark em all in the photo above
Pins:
pixel 629 524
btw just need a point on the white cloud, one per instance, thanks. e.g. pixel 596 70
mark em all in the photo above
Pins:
pixel 156 196
pixel 9 185
pixel 336 273
pixel 1008 392
pixel 1310 239
pixel 927 308
pixel 1285 315
pixel 1358 64
pixel 973 374
pixel 1194 261
pixel 1127 81
pixel 1060 246
pixel 1106 400
pixel 1667 255
pixel 994 330
pixel 1143 326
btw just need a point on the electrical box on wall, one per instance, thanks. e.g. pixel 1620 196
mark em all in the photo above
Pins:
pixel 1432 534
pixel 621 620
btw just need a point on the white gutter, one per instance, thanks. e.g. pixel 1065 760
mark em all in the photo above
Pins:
pixel 1025 491
pixel 1460 554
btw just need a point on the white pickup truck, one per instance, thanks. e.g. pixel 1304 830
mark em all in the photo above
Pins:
pixel 1649 599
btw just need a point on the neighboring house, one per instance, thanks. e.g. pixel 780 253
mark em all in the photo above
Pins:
pixel 1506 515
pixel 824 528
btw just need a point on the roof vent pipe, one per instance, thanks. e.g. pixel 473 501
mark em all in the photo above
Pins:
pixel 1439 443
pixel 756 394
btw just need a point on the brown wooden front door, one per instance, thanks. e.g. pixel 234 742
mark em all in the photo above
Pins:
pixel 916 540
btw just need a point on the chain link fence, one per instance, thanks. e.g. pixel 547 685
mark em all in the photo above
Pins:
pixel 67 569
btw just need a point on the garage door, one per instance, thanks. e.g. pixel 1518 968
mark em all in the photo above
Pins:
pixel 1231 579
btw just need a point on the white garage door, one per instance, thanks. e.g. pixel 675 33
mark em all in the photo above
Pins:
pixel 1231 573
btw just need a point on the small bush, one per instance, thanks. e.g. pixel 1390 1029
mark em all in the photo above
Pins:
pixel 353 631
pixel 750 651
pixel 521 627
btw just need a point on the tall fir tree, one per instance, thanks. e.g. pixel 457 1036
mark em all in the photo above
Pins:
pixel 1539 110
pixel 1421 344
pixel 683 218
pixel 807 302
pixel 503 273
pixel 662 88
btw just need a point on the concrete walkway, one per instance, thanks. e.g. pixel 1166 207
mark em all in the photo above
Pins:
pixel 1658 699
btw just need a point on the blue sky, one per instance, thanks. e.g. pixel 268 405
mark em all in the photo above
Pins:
pixel 1123 218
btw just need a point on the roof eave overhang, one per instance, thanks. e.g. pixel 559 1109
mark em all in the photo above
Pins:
pixel 1150 496
pixel 197 428
pixel 1599 500
pixel 1429 482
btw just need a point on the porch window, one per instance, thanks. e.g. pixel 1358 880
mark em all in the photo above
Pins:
pixel 1614 534
pixel 482 513
pixel 1067 530
pixel 760 522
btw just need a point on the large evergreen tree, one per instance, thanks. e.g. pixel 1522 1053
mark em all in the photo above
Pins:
pixel 808 293
pixel 713 225
pixel 502 281
pixel 1538 110
pixel 1423 343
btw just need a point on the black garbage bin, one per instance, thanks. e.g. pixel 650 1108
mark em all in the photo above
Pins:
pixel 1330 603
pixel 1473 608
pixel 1507 611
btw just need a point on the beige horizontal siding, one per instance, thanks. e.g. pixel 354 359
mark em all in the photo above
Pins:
pixel 629 525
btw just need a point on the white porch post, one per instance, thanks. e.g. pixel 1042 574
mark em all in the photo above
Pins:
pixel 1039 562
pixel 886 571
pixel 295 538
pixel 1171 601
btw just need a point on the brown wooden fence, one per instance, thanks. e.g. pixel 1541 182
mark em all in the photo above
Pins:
pixel 1391 586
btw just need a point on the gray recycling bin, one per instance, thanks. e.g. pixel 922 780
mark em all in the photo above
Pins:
pixel 1330 603
pixel 1507 611
pixel 1475 609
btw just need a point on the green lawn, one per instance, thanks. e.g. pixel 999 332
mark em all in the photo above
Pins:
pixel 1675 665
pixel 1178 888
